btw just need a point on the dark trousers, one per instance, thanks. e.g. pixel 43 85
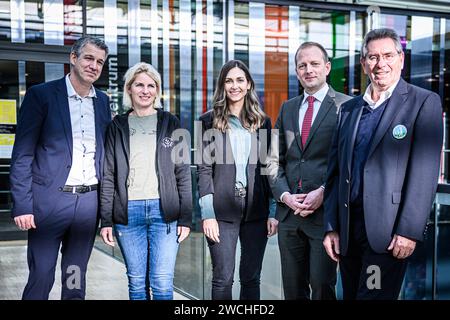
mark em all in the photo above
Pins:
pixel 306 269
pixel 72 225
pixel 253 239
pixel 361 266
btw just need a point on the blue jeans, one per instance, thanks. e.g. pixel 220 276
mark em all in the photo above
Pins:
pixel 149 246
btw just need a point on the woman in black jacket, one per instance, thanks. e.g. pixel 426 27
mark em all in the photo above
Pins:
pixel 234 192
pixel 145 195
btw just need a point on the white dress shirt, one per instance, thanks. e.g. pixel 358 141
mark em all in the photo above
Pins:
pixel 82 119
pixel 319 97
pixel 383 97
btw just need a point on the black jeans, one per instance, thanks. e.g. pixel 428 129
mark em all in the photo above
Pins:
pixel 253 238
pixel 358 265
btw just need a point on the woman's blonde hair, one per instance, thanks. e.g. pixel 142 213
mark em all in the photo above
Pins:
pixel 130 76
pixel 252 117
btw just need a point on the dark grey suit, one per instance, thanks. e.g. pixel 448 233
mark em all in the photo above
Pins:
pixel 399 181
pixel 303 258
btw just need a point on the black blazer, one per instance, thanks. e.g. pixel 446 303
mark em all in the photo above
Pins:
pixel 218 177
pixel 400 175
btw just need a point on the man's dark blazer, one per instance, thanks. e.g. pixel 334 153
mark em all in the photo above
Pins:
pixel 290 163
pixel 400 175
pixel 219 177
pixel 42 153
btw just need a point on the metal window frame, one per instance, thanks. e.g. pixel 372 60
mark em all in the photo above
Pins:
pixel 36 52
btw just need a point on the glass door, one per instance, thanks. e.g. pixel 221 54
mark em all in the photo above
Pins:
pixel 17 76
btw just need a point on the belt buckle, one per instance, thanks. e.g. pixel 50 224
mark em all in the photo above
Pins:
pixel 242 192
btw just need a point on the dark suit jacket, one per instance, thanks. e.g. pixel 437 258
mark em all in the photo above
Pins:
pixel 218 177
pixel 289 163
pixel 42 153
pixel 400 175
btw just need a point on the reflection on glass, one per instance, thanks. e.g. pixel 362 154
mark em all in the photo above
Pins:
pixel 331 29
pixel 95 18
pixel 73 21
pixel 443 250
pixel 421 47
pixel 9 89
pixel 5 20
pixel 34 21
pixel 147 24
pixel 359 81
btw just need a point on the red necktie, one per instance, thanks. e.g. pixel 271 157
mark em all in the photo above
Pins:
pixel 307 120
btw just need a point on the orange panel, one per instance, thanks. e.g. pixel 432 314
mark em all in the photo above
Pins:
pixel 276 73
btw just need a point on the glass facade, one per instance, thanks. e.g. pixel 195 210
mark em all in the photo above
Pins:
pixel 188 41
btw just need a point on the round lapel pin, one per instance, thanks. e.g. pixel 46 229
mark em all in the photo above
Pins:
pixel 399 131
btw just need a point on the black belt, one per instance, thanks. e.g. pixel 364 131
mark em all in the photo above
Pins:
pixel 240 192
pixel 79 189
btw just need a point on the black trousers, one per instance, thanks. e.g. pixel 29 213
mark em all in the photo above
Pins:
pixel 253 239
pixel 307 271
pixel 366 274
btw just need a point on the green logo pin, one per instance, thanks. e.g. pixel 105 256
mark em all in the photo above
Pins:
pixel 399 131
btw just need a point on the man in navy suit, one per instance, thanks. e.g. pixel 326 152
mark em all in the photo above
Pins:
pixel 55 171
pixel 382 173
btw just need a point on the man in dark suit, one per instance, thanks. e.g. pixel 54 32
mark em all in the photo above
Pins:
pixel 382 175
pixel 55 170
pixel 297 166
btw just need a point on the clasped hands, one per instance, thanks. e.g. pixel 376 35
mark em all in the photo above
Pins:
pixel 304 204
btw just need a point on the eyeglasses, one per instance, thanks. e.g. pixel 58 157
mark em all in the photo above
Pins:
pixel 388 58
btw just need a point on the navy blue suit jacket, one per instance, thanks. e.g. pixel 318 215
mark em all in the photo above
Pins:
pixel 42 153
pixel 400 175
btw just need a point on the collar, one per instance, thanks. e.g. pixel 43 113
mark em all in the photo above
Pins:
pixel 383 97
pixel 71 93
pixel 319 95
pixel 235 122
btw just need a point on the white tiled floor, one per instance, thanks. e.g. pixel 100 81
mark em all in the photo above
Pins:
pixel 106 278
